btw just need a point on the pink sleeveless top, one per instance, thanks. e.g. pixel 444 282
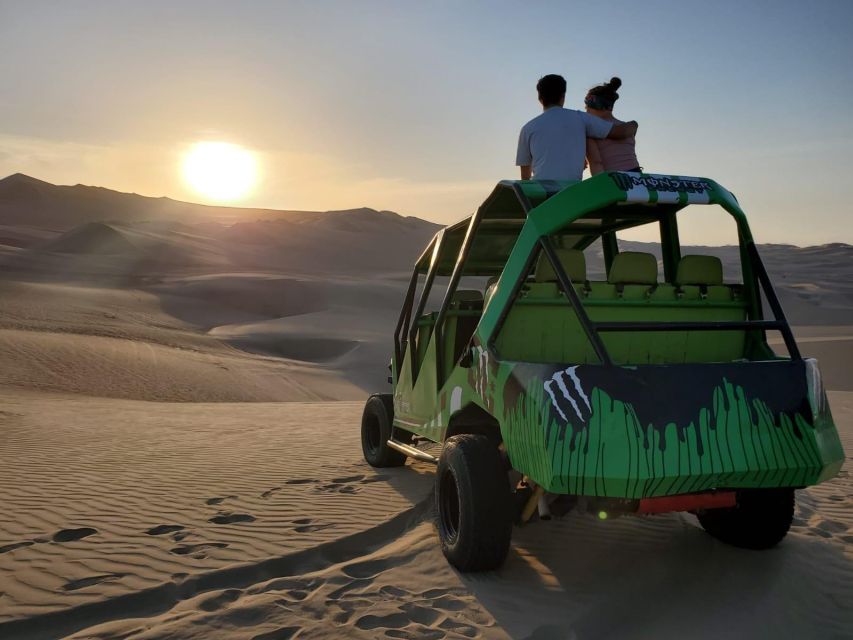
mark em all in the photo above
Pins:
pixel 611 155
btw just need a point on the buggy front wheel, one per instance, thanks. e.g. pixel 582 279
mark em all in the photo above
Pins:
pixel 376 429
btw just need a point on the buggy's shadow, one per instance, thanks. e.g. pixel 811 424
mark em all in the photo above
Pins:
pixel 663 577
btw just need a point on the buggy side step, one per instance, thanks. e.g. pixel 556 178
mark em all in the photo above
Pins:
pixel 410 451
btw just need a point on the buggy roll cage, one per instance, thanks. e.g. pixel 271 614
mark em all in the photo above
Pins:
pixel 627 183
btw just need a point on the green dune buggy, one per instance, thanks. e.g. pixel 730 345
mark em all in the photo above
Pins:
pixel 651 388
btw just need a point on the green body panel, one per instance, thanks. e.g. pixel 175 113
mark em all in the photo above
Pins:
pixel 734 441
pixel 677 412
pixel 418 404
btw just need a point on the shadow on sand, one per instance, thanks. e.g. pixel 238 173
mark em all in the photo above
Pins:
pixel 663 577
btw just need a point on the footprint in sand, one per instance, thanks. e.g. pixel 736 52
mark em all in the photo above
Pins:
pixel 390 591
pixel 833 526
pixel 284 633
pixel 349 608
pixel 467 630
pixel 220 600
pixel 82 583
pixel 417 633
pixel 160 529
pixel 394 623
pixel 342 594
pixel 231 518
pixel 431 614
pixel 366 568
pixel 349 479
pixel 337 487
pixel 396 620
pixel 306 525
pixel 70 535
pixel 293 589
pixel 448 603
pixel 426 616
pixel 349 484
pixel 187 549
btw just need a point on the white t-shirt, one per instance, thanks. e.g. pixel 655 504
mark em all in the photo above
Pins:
pixel 554 142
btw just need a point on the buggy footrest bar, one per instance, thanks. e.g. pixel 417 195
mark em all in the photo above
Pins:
pixel 410 451
pixel 688 326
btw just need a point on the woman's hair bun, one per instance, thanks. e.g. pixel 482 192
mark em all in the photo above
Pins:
pixel 614 83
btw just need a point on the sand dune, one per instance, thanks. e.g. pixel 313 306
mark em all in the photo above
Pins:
pixel 115 343
pixel 172 466
pixel 262 521
pixel 832 346
pixel 318 292
pixel 226 298
pixel 93 237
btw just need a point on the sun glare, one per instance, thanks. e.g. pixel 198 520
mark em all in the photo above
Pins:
pixel 220 171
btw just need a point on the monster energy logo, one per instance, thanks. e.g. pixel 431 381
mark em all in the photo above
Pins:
pixel 566 393
pixel 627 181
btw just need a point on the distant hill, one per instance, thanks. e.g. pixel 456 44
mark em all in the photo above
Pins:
pixel 71 230
pixel 91 238
pixel 35 203
pixel 59 231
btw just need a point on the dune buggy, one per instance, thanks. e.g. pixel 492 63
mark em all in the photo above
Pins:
pixel 650 388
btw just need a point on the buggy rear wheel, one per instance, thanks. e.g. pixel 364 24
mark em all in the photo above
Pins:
pixel 759 520
pixel 473 504
pixel 376 429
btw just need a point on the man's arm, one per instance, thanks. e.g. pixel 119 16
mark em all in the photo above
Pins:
pixel 624 130
pixel 525 171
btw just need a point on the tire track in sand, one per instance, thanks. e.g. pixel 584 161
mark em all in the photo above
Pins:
pixel 163 597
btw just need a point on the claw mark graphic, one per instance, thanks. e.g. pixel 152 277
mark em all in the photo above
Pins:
pixel 565 393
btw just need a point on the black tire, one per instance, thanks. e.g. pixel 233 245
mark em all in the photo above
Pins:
pixel 376 428
pixel 473 504
pixel 760 520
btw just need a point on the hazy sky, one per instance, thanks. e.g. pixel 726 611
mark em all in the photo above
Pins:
pixel 416 106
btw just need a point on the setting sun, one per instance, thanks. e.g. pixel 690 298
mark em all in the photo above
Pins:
pixel 220 171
